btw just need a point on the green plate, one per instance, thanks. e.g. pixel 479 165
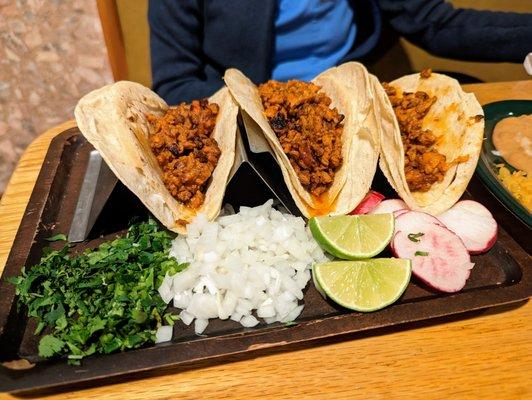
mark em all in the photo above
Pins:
pixel 489 158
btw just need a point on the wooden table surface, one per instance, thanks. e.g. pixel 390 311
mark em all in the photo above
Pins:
pixel 485 355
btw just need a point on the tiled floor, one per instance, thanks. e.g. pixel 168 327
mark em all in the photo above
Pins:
pixel 51 53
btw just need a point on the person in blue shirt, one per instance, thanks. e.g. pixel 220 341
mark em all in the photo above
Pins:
pixel 311 36
pixel 194 41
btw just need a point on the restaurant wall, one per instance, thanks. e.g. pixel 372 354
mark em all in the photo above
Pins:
pixel 51 53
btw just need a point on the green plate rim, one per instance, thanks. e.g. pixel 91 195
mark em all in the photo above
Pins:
pixel 493 113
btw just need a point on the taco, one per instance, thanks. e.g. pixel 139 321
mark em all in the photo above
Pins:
pixel 431 139
pixel 320 134
pixel 176 160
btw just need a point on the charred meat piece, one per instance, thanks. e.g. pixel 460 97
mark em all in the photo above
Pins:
pixel 182 142
pixel 426 73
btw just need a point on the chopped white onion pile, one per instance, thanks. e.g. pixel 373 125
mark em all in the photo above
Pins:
pixel 258 259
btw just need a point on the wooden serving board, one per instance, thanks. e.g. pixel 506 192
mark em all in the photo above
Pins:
pixel 500 276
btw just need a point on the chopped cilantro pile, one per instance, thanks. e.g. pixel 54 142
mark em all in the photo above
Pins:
pixel 102 300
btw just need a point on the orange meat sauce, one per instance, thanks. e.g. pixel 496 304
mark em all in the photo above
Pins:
pixel 182 143
pixel 323 206
pixel 424 165
pixel 309 131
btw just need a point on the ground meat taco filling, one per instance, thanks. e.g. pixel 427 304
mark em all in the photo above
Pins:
pixel 309 130
pixel 424 165
pixel 185 149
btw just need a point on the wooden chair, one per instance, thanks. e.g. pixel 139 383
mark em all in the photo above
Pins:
pixel 114 40
pixel 126 35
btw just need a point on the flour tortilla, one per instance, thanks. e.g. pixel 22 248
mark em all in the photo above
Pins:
pixel 452 118
pixel 113 119
pixel 349 88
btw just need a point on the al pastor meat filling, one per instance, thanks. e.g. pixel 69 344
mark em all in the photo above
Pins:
pixel 309 130
pixel 185 149
pixel 424 165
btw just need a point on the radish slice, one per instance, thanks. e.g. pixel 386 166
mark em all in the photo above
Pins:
pixel 410 220
pixel 473 223
pixel 439 258
pixel 410 224
pixel 389 206
pixel 399 212
pixel 369 203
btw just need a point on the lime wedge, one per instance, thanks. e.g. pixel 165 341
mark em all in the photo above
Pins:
pixel 365 285
pixel 352 237
pixel 317 284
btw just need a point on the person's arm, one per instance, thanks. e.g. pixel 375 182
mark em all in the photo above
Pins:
pixel 176 51
pixel 465 34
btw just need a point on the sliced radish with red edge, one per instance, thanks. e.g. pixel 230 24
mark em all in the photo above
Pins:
pixel 369 203
pixel 473 223
pixel 389 206
pixel 399 212
pixel 439 258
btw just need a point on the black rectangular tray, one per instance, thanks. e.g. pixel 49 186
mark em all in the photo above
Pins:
pixel 501 276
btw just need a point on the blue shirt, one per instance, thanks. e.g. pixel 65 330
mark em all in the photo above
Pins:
pixel 310 37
